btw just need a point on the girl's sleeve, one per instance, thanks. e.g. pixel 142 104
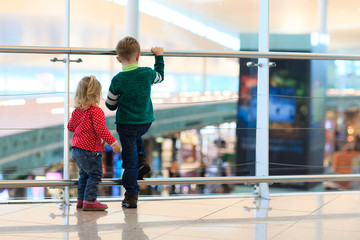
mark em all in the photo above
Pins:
pixel 72 122
pixel 100 126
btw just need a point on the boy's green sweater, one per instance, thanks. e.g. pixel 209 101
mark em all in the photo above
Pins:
pixel 130 92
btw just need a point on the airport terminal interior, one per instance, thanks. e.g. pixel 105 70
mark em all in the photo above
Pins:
pixel 252 89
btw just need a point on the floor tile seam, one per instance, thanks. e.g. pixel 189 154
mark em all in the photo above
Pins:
pixel 40 232
pixel 290 226
pixel 296 194
pixel 194 221
pixel 36 223
pixel 107 215
pixel 250 220
pixel 304 217
pixel 167 216
pixel 174 202
pixel 17 211
pixel 44 236
pixel 172 230
pixel 159 214
pixel 182 223
pixel 277 209
pixel 324 204
pixel 330 229
pixel 17 235
pixel 68 228
pixel 223 208
pixel 186 236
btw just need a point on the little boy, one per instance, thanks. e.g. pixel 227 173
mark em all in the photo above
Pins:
pixel 129 93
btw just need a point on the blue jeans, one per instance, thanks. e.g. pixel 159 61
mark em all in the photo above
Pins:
pixel 132 145
pixel 90 171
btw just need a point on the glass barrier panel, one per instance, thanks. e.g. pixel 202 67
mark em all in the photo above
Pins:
pixel 33 23
pixel 100 24
pixel 342 31
pixel 198 79
pixel 313 121
pixel 31 119
pixel 175 111
pixel 30 193
pixel 314 26
pixel 198 25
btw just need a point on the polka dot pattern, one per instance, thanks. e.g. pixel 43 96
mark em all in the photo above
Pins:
pixel 90 131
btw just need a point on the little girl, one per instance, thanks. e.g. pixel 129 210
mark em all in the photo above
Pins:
pixel 88 124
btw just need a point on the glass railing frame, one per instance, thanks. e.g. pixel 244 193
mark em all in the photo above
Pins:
pixel 196 180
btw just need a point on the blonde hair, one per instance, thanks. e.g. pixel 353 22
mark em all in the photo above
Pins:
pixel 88 93
pixel 127 48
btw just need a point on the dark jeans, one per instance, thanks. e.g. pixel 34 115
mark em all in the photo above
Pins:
pixel 90 171
pixel 132 145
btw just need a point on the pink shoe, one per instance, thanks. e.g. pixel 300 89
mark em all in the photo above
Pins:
pixel 94 206
pixel 79 204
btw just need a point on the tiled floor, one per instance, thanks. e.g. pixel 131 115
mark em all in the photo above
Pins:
pixel 317 216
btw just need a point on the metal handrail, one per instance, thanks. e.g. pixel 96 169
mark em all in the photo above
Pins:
pixel 181 53
pixel 186 180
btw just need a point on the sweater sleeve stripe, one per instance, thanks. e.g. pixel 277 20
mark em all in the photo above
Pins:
pixel 111 99
pixel 111 102
pixel 159 69
pixel 112 96
pixel 158 78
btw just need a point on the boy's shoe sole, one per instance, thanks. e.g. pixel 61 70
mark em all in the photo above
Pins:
pixel 128 205
pixel 144 169
pixel 130 201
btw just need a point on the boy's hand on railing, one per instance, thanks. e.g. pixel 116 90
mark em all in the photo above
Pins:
pixel 157 50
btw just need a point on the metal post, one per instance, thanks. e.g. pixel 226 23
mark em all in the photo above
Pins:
pixel 262 121
pixel 66 193
pixel 323 16
pixel 132 19
pixel 204 89
pixel 261 211
pixel 66 219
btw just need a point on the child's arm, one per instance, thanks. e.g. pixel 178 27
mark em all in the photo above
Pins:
pixel 98 120
pixel 159 64
pixel 72 124
pixel 111 101
pixel 112 98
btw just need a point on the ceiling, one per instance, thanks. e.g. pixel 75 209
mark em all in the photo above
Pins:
pixel 286 17
pixel 97 19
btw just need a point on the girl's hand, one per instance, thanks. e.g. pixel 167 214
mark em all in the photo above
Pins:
pixel 116 147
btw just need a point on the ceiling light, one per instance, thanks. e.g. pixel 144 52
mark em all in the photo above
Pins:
pixel 50 100
pixel 59 110
pixel 15 102
pixel 152 8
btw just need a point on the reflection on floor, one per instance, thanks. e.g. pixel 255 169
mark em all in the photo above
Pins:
pixel 315 216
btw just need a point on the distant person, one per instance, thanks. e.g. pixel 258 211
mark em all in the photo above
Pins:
pixel 174 172
pixel 88 124
pixel 129 93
